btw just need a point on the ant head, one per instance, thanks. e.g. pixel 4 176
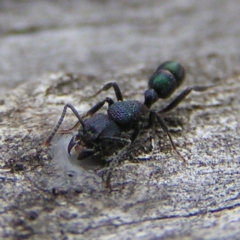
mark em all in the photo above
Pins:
pixel 167 77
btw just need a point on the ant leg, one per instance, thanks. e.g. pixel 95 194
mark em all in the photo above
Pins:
pixel 113 164
pixel 89 152
pixel 182 96
pixel 114 161
pixel 53 132
pixel 116 139
pixel 116 90
pixel 99 105
pixel 93 110
pixel 85 153
pixel 163 125
pixel 135 133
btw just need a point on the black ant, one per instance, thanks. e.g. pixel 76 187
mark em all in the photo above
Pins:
pixel 99 129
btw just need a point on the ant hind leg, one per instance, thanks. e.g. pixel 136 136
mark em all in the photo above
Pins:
pixel 182 96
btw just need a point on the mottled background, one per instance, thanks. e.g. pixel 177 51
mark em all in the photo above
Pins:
pixel 101 37
pixel 54 52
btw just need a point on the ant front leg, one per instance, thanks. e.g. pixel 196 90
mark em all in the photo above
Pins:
pixel 99 105
pixel 114 162
pixel 163 125
pixel 116 88
pixel 137 128
pixel 182 96
pixel 116 139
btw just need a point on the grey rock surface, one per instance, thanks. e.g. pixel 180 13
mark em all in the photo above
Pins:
pixel 60 52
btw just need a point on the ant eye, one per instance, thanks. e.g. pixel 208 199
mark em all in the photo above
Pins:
pixel 175 68
pixel 163 82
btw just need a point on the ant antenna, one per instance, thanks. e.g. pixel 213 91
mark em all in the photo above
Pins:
pixel 52 134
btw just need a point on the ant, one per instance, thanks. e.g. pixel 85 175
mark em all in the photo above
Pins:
pixel 99 129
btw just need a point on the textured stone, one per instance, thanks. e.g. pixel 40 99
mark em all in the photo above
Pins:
pixel 45 194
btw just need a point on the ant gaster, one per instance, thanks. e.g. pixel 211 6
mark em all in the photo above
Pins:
pixel 126 115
